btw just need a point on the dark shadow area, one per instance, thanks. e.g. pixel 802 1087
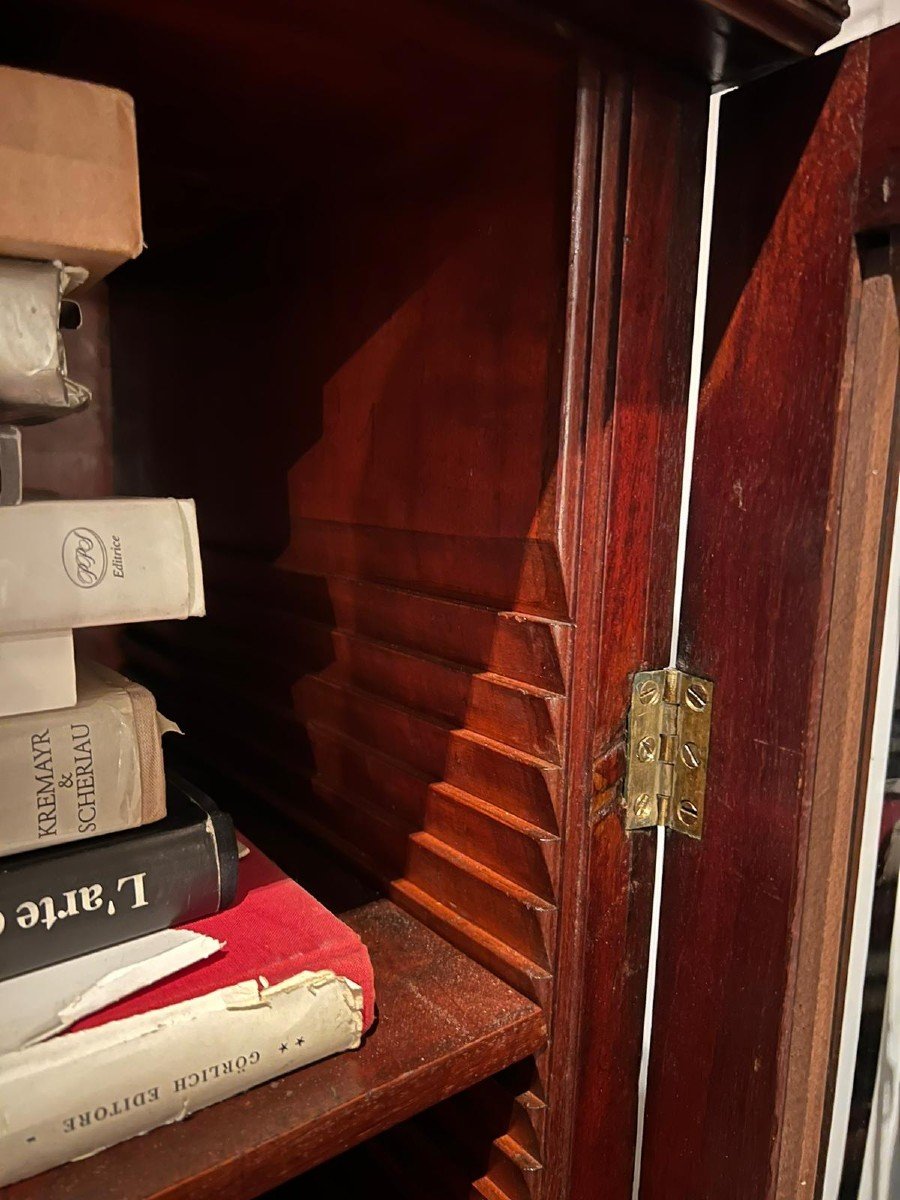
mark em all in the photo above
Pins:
pixel 436 1154
pixel 344 341
pixel 772 136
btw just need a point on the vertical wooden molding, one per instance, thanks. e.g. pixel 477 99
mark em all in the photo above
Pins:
pixel 650 184
pixel 853 629
pixel 608 116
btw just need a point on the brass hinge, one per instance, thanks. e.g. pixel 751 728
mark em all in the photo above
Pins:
pixel 668 747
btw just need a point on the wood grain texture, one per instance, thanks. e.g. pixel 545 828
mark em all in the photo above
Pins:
pixel 757 602
pixel 648 199
pixel 879 184
pixel 867 488
pixel 886 258
pixel 443 1023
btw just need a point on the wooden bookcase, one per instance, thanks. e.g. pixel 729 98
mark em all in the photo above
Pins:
pixel 413 327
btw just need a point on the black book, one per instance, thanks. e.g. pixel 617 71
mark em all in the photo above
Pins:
pixel 81 896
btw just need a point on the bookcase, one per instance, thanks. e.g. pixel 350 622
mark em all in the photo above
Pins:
pixel 413 326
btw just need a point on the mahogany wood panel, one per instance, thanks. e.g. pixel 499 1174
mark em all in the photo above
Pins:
pixel 879 185
pixel 481 1135
pixel 624 396
pixel 650 213
pixel 755 616
pixel 884 258
pixel 867 493
pixel 517 646
pixel 443 1024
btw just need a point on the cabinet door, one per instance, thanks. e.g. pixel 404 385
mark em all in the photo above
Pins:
pixel 794 482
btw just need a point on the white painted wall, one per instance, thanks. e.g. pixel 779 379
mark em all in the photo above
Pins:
pixel 866 16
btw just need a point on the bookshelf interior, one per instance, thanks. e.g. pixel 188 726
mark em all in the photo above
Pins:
pixel 319 341
pixel 413 327
pixel 444 1023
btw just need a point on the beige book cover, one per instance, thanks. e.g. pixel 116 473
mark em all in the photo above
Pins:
pixel 78 772
pixel 67 564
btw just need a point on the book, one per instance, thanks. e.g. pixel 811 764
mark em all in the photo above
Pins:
pixel 72 899
pixel 72 563
pixel 292 985
pixel 93 768
pixel 37 672
pixel 43 1003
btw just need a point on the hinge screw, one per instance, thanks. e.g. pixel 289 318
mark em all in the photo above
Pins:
pixel 690 755
pixel 643 807
pixel 646 748
pixel 697 697
pixel 688 812
pixel 648 692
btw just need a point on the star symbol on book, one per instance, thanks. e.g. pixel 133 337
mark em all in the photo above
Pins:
pixel 283 1047
pixel 299 1041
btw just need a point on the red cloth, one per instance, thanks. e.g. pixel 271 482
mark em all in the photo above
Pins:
pixel 274 929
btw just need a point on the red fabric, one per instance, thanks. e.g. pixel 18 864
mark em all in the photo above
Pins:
pixel 274 929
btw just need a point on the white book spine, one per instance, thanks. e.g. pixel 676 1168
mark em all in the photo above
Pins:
pixel 82 1092
pixel 37 672
pixel 71 563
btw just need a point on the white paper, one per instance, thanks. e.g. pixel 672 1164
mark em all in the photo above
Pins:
pixel 81 1092
pixel 43 1003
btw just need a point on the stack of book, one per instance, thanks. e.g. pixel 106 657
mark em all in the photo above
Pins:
pixel 149 964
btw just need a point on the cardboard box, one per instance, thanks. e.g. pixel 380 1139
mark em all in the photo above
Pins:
pixel 69 172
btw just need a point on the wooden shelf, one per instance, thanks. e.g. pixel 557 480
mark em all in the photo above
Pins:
pixel 444 1023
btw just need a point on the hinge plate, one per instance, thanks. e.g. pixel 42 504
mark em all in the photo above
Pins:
pixel 668 748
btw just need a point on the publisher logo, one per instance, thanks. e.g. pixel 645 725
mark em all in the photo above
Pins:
pixel 84 557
